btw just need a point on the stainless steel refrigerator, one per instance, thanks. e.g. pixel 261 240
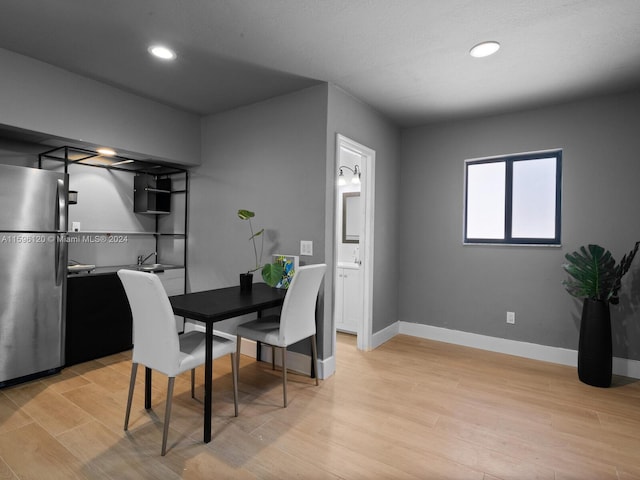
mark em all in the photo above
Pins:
pixel 33 259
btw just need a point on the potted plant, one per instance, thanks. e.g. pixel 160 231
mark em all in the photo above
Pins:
pixel 596 278
pixel 271 272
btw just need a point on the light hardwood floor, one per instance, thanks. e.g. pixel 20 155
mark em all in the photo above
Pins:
pixel 412 408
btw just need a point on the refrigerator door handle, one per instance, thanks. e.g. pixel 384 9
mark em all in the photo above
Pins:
pixel 60 225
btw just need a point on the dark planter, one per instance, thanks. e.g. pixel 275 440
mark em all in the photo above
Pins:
pixel 246 282
pixel 594 348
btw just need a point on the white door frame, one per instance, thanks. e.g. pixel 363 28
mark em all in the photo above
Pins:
pixel 366 233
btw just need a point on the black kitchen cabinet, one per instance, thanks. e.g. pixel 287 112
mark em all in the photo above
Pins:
pixel 99 321
pixel 151 194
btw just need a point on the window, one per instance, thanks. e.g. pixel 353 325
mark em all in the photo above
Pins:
pixel 513 199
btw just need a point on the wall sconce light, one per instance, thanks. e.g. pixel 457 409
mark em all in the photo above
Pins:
pixel 356 175
pixel 73 197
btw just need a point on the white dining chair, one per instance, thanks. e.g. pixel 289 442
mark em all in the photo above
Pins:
pixel 297 319
pixel 157 344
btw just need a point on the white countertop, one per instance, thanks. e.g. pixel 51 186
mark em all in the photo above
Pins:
pixel 351 265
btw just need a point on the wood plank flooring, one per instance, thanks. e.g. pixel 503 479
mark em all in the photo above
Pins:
pixel 411 409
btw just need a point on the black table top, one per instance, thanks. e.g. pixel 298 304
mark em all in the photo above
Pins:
pixel 222 303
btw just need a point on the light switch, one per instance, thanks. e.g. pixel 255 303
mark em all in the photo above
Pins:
pixel 306 247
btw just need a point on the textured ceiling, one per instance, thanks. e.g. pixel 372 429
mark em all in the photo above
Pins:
pixel 406 58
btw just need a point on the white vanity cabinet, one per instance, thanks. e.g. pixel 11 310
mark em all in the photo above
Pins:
pixel 348 298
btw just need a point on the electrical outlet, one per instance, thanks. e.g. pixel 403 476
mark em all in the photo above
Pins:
pixel 306 247
pixel 511 317
pixel 75 226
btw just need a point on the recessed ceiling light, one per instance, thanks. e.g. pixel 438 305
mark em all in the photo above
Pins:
pixel 106 151
pixel 484 49
pixel 162 52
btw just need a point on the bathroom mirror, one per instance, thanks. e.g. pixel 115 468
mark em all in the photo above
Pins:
pixel 351 217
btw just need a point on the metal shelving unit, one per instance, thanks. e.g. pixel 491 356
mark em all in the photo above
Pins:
pixel 69 155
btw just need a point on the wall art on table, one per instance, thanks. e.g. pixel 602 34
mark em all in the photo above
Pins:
pixel 289 264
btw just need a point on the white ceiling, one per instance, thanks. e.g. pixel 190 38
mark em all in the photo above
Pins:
pixel 406 58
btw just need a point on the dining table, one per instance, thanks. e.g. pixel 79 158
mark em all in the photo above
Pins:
pixel 209 307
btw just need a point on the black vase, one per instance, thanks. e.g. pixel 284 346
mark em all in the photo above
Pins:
pixel 246 282
pixel 594 348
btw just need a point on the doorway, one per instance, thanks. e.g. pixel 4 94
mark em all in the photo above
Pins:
pixel 353 242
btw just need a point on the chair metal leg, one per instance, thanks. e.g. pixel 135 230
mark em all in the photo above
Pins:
pixel 167 415
pixel 284 374
pixel 234 375
pixel 132 383
pixel 147 387
pixel 238 342
pixel 314 355
pixel 193 383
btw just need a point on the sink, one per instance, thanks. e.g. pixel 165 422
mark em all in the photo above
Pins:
pixel 152 267
pixel 149 267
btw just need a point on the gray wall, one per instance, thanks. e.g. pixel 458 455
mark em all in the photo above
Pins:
pixel 105 204
pixel 470 288
pixel 356 120
pixel 268 157
pixel 277 158
pixel 39 97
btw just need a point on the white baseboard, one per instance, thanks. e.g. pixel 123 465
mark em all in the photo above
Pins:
pixel 327 367
pixel 296 362
pixel 248 348
pixel 563 356
pixel 385 335
pixel 626 367
pixel 301 363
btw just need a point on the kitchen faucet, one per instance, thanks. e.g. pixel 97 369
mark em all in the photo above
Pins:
pixel 141 260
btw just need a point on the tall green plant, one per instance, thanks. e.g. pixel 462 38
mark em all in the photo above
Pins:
pixel 248 215
pixel 271 272
pixel 595 274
